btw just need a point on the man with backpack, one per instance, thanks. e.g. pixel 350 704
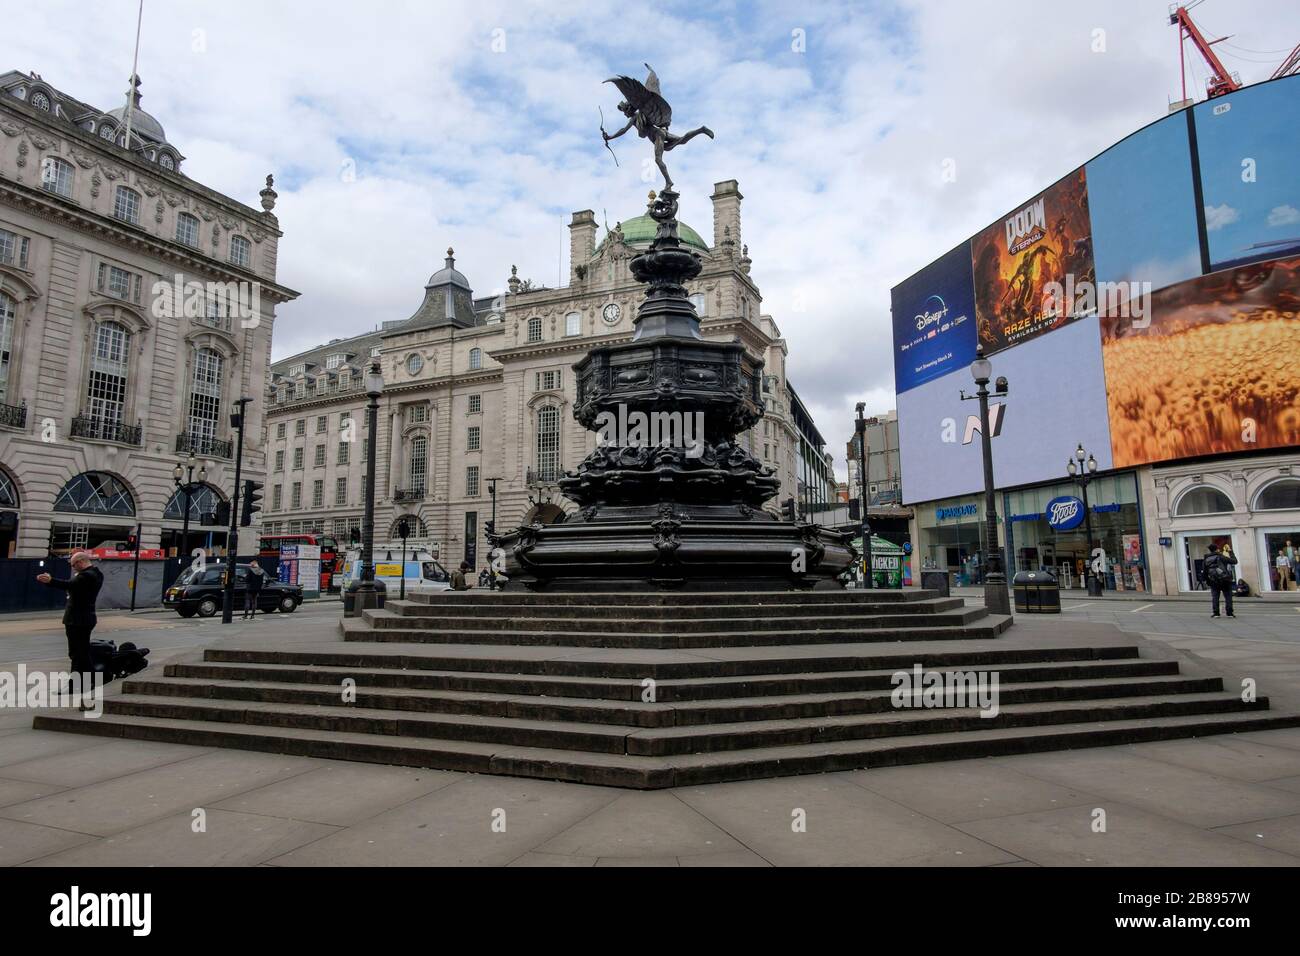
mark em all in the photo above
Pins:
pixel 1220 577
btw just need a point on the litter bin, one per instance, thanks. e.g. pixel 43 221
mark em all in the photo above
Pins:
pixel 936 581
pixel 1036 592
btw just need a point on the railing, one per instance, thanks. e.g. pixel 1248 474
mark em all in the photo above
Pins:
pixel 13 416
pixel 542 476
pixel 202 445
pixel 415 493
pixel 105 429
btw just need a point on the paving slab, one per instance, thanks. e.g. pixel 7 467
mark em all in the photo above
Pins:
pixel 1192 796
pixel 1133 837
pixel 1225 756
pixel 1285 783
pixel 1282 834
pixel 229 839
pixel 965 789
pixel 127 802
pixel 846 825
pixel 453 826
pixel 341 793
pixel 20 842
pixel 736 858
pixel 552 859
pixel 1286 737
pixel 20 791
pixel 109 759
pixel 638 861
pixel 642 825
pixel 19 748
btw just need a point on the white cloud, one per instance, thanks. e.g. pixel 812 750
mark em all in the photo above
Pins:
pixel 1283 216
pixel 1216 217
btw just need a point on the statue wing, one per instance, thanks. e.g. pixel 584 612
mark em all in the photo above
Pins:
pixel 651 105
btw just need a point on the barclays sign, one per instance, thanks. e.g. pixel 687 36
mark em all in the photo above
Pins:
pixel 1064 513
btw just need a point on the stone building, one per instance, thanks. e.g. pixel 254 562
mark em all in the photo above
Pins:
pixel 135 306
pixel 482 388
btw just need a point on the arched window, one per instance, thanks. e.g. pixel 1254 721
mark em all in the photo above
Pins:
pixel 1202 500
pixel 8 492
pixel 698 301
pixel 548 443
pixel 240 251
pixel 415 527
pixel 126 204
pixel 535 329
pixel 475 359
pixel 1281 495
pixel 95 493
pixel 205 400
pixel 56 176
pixel 8 323
pixel 109 361
pixel 166 161
pixel 40 101
pixel 187 229
pixel 573 323
pixel 418 465
pixel 107 131
pixel 203 500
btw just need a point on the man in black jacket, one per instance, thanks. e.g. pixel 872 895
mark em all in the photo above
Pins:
pixel 1220 577
pixel 79 617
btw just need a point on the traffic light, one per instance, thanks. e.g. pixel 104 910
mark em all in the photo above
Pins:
pixel 403 529
pixel 132 543
pixel 251 503
pixel 787 510
pixel 222 514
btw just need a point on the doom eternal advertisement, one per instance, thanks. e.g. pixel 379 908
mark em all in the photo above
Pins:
pixel 1045 244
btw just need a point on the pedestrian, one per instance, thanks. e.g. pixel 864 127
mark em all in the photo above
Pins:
pixel 458 582
pixel 1220 577
pixel 1285 571
pixel 79 616
pixel 253 582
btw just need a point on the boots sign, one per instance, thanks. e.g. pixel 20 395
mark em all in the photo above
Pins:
pixel 1064 513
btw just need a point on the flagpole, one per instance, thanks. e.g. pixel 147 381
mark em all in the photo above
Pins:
pixel 135 64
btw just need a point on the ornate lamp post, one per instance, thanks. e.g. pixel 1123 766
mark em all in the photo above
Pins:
pixel 364 591
pixel 996 598
pixel 1081 475
pixel 188 488
pixel 860 426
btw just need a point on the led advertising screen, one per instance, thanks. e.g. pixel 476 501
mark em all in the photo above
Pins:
pixel 934 321
pixel 1217 369
pixel 1016 260
pixel 1248 143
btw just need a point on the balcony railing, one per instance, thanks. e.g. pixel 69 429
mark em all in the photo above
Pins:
pixel 414 493
pixel 106 429
pixel 202 445
pixel 13 416
pixel 536 478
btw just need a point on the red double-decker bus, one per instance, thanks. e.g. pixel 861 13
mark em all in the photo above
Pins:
pixel 331 561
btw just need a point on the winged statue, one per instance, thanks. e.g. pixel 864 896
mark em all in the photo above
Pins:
pixel 649 112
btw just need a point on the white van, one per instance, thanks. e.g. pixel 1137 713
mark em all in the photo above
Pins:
pixel 422 571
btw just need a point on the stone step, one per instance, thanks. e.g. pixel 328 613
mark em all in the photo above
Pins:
pixel 664 741
pixel 637 713
pixel 671 598
pixel 668 612
pixel 625 689
pixel 622 770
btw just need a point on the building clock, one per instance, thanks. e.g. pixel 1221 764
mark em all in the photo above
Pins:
pixel 611 313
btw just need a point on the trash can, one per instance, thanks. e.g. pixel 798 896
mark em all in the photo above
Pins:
pixel 939 581
pixel 1036 592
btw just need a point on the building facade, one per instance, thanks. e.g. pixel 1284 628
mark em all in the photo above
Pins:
pixel 135 306
pixel 479 392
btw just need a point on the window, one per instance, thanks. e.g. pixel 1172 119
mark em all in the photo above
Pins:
pixel 1202 501
pixel 205 397
pixel 320 456
pixel 475 359
pixel 297 459
pixel 295 498
pixel 344 418
pixel 8 317
pixel 126 205
pixel 365 451
pixel 187 230
pixel 340 491
pixel 345 381
pixel 414 363
pixel 106 392
pixel 1281 495
pixel 322 384
pixel 13 249
pixel 280 430
pixel 549 380
pixel 475 404
pixel 473 438
pixel 318 493
pixel 300 389
pixel 300 427
pixel 344 448
pixel 548 443
pixel 418 414
pixel 334 361
pixel 56 176
pixel 573 324
pixel 279 460
pixel 95 492
pixel 471 481
pixel 118 283
pixel 240 251
pixel 535 329
pixel 107 131
pixel 322 423
pixel 296 370
pixel 419 463
pixel 166 161
pixel 697 301
pixel 277 495
pixel 40 101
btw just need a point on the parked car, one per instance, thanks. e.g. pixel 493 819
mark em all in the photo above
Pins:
pixel 200 591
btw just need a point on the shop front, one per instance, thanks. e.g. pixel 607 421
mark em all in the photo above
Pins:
pixel 1048 529
pixel 952 536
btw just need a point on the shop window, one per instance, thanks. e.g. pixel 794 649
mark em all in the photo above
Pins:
pixel 1281 495
pixel 1202 500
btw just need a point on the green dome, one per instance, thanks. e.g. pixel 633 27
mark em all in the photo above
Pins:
pixel 642 229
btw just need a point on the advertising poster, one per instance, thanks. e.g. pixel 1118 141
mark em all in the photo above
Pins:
pixel 1213 372
pixel 1014 261
pixel 309 569
pixel 1247 143
pixel 934 320
pixel 288 564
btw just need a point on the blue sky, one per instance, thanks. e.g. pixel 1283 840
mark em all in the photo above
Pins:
pixel 474 125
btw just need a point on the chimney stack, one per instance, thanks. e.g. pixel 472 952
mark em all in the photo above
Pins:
pixel 582 244
pixel 726 216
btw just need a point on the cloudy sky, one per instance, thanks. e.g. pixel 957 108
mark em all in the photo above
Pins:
pixel 397 129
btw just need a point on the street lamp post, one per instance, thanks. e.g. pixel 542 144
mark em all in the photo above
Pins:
pixel 491 534
pixel 1081 475
pixel 365 592
pixel 188 488
pixel 860 425
pixel 996 598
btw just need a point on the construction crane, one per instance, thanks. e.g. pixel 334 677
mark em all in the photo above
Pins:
pixel 1220 81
